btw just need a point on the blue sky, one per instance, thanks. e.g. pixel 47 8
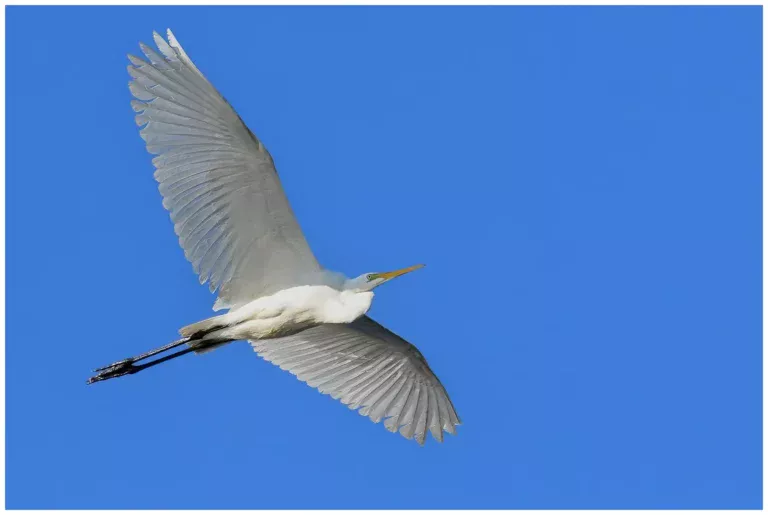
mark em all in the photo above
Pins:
pixel 584 185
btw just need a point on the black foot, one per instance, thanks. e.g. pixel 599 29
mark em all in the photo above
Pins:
pixel 122 362
pixel 117 369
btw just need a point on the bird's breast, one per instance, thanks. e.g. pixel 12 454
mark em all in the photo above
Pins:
pixel 346 307
pixel 295 309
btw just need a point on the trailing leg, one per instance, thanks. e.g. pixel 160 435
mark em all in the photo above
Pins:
pixel 129 366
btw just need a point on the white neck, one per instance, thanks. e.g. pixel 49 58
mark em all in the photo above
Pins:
pixel 354 284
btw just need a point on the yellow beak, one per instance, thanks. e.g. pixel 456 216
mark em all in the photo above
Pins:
pixel 397 273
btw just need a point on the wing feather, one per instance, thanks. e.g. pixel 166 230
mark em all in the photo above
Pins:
pixel 370 369
pixel 396 409
pixel 407 422
pixel 378 407
pixel 217 180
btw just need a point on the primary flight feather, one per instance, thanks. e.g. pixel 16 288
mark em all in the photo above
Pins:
pixel 237 229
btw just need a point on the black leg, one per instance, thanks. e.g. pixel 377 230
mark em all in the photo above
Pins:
pixel 127 366
pixel 140 357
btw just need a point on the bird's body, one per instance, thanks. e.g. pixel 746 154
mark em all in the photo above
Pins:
pixel 237 229
pixel 284 313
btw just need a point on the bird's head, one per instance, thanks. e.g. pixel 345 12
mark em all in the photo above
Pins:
pixel 367 282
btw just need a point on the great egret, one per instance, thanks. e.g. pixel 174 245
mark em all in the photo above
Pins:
pixel 238 231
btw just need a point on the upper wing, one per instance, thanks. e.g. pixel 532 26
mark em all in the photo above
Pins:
pixel 217 180
pixel 367 366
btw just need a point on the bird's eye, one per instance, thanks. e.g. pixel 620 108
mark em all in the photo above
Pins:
pixel 369 277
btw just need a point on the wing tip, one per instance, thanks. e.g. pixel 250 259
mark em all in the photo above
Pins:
pixel 171 38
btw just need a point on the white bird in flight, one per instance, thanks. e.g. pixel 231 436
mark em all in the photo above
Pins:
pixel 239 232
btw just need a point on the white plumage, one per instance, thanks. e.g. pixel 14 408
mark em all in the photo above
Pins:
pixel 237 229
pixel 284 313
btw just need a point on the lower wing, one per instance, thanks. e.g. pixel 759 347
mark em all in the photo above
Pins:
pixel 368 367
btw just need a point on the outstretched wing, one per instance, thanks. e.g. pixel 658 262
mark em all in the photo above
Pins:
pixel 366 366
pixel 217 180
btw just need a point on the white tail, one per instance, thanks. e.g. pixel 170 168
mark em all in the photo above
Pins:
pixel 203 327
